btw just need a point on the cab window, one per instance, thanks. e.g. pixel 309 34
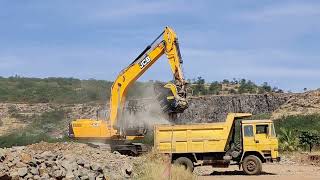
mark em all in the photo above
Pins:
pixel 262 129
pixel 248 131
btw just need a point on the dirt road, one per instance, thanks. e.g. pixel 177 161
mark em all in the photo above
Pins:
pixel 270 171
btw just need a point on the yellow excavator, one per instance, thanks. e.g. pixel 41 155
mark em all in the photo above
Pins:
pixel 172 96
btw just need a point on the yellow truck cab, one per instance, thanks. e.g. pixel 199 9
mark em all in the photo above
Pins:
pixel 237 141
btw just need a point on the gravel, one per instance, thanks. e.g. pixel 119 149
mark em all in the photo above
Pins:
pixel 64 161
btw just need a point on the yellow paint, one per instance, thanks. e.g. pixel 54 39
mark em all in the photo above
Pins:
pixel 261 142
pixel 211 137
pixel 109 129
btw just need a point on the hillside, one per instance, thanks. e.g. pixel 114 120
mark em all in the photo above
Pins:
pixel 71 91
pixel 42 108
pixel 300 104
pixel 210 108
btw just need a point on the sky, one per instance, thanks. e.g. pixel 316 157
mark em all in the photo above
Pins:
pixel 270 41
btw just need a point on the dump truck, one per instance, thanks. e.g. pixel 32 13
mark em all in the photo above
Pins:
pixel 237 141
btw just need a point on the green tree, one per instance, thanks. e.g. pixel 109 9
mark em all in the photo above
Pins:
pixel 199 88
pixel 265 87
pixel 247 86
pixel 225 81
pixel 215 87
pixel 309 138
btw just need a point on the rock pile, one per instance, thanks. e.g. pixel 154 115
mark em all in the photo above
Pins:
pixel 215 108
pixel 300 104
pixel 63 161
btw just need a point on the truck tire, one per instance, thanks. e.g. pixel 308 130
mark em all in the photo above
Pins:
pixel 185 162
pixel 252 165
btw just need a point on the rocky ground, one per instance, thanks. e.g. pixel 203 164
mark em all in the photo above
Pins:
pixel 8 123
pixel 292 166
pixel 80 161
pixel 303 103
pixel 63 161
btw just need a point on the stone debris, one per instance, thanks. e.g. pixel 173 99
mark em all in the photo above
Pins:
pixel 300 104
pixel 64 161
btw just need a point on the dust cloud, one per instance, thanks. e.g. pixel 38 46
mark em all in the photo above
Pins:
pixel 144 112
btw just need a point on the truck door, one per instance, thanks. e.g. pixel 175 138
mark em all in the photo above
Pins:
pixel 262 138
pixel 249 143
pixel 256 138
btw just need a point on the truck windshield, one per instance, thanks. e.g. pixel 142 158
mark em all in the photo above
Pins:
pixel 273 132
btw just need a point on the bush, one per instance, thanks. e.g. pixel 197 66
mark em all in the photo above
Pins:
pixel 199 88
pixel 299 122
pixel 309 138
pixel 36 131
pixel 297 131
pixel 215 88
pixel 288 140
pixel 58 90
pixel 14 113
pixel 158 166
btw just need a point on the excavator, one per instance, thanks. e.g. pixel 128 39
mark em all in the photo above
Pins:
pixel 171 96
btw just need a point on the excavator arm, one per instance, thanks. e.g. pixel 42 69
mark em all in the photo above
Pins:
pixel 173 100
pixel 168 45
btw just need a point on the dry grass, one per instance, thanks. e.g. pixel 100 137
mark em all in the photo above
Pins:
pixel 157 166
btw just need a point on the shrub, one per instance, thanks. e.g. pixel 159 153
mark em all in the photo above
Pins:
pixel 288 140
pixel 158 166
pixel 215 87
pixel 36 131
pixel 309 138
pixel 297 131
pixel 299 122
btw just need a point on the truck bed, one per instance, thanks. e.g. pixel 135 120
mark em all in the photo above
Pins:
pixel 194 138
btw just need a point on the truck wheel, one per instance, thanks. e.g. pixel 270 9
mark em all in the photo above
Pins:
pixel 252 165
pixel 185 162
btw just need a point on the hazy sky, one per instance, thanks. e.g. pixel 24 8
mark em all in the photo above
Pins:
pixel 263 40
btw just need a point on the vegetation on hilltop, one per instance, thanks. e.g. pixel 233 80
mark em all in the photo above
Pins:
pixel 69 90
pixel 59 90
pixel 241 86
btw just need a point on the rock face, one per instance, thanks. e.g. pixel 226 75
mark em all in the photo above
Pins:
pixel 63 161
pixel 304 103
pixel 201 109
pixel 74 111
pixel 215 108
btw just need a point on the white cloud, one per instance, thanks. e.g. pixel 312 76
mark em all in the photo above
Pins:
pixel 276 11
pixel 252 63
pixel 137 8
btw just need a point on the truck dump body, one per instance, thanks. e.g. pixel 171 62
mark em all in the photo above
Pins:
pixel 195 138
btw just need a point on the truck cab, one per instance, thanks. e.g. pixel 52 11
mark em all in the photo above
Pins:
pixel 260 136
pixel 237 141
pixel 259 140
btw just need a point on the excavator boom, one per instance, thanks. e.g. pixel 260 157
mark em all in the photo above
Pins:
pixel 165 43
pixel 169 46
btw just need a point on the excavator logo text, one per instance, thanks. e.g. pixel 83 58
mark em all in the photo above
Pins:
pixel 144 62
